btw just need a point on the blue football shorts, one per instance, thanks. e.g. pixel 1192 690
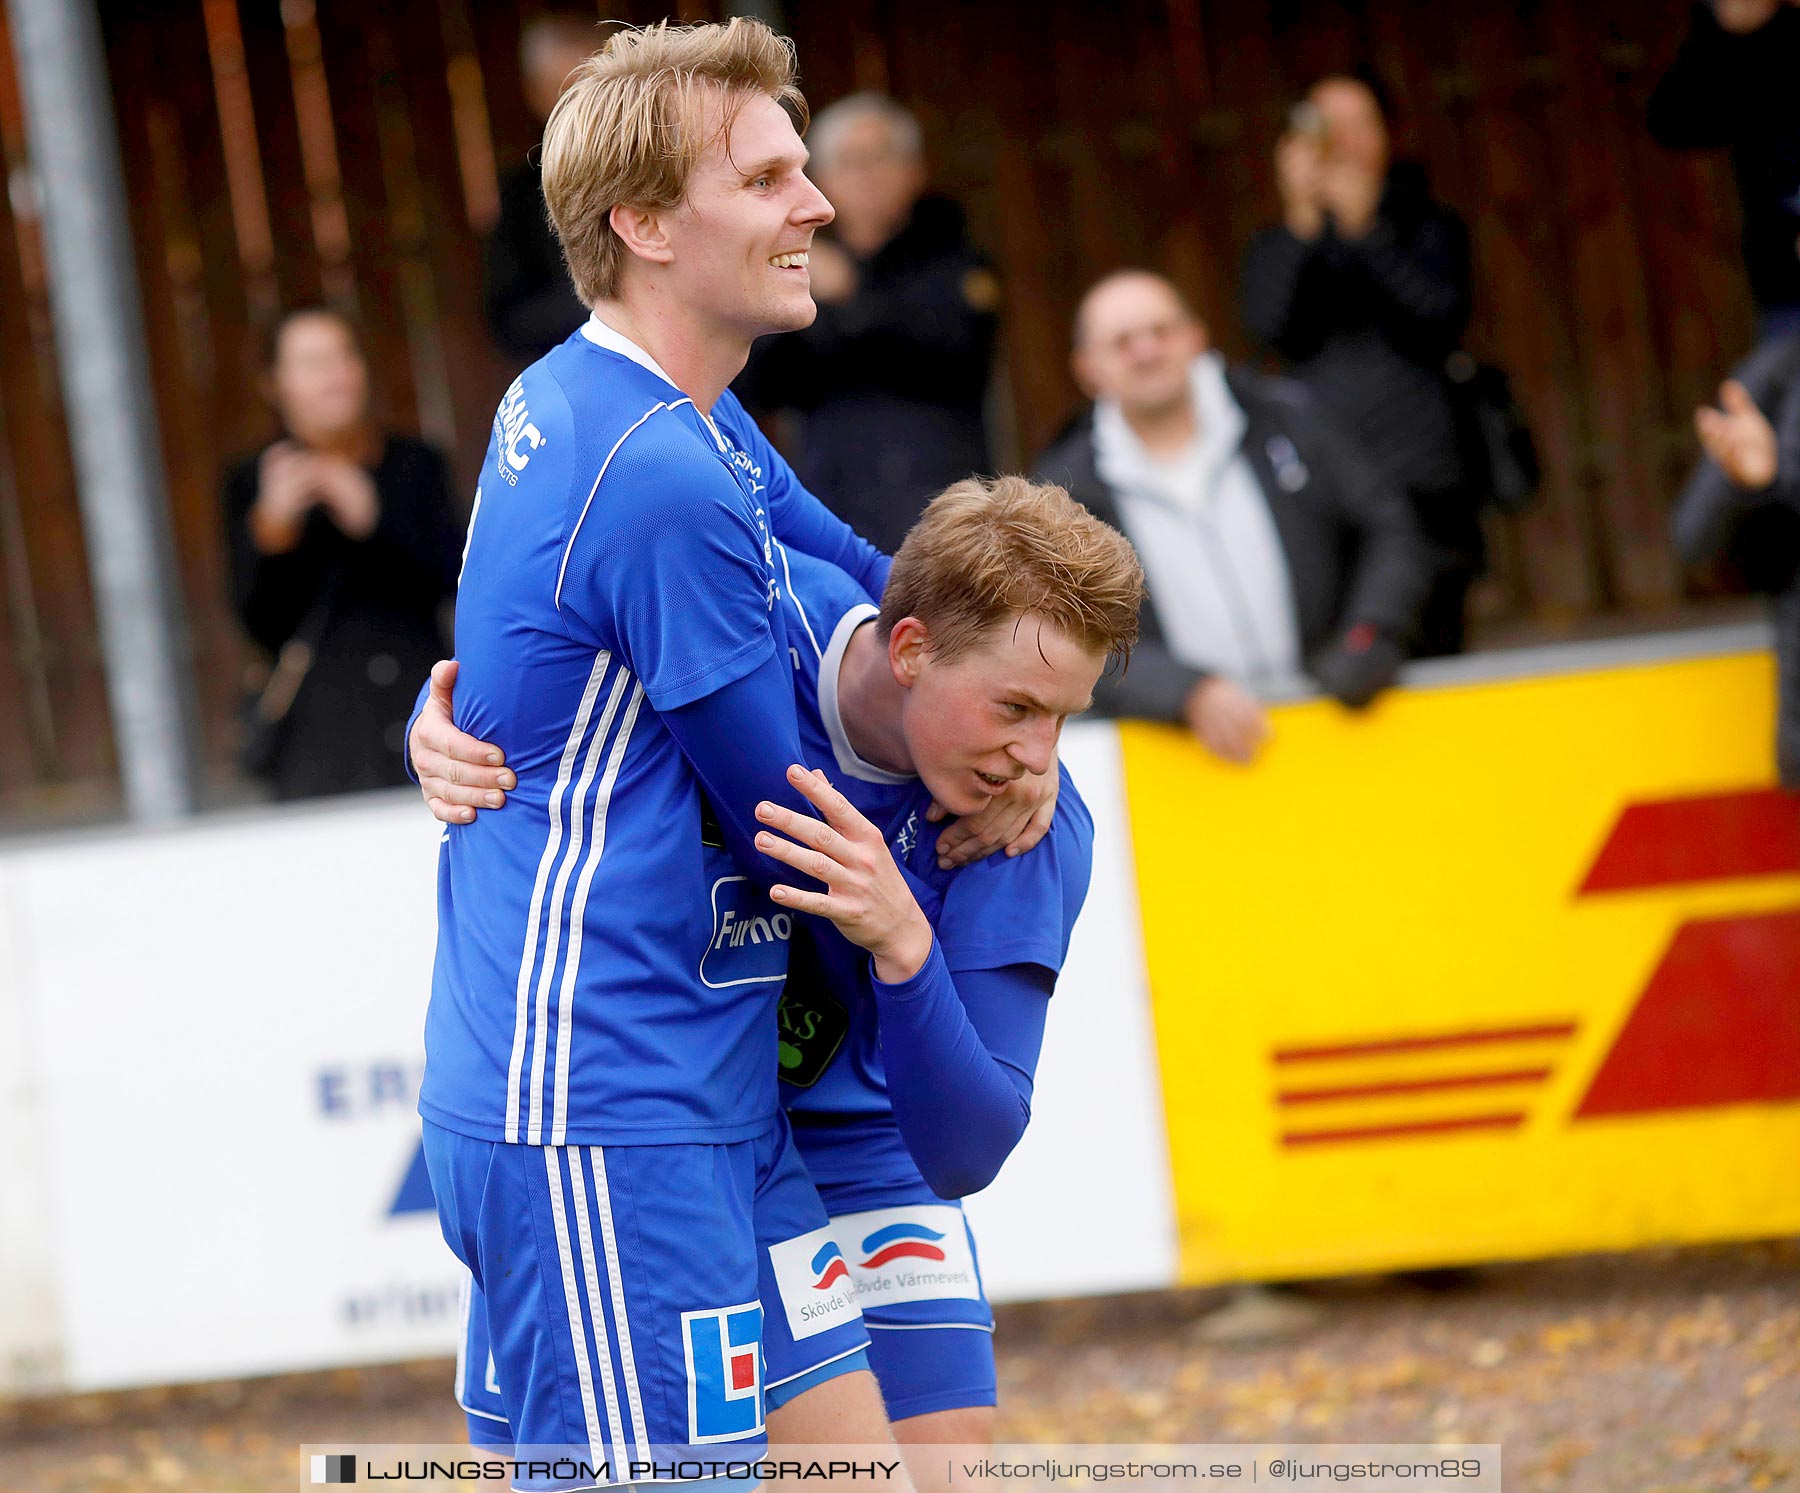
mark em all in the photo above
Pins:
pixel 912 1259
pixel 623 1298
pixel 918 1280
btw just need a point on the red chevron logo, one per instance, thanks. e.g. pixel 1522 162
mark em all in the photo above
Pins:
pixel 1719 1021
pixel 1717 837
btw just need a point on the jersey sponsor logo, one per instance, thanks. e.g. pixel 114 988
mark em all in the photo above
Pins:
pixel 724 1372
pixel 748 944
pixel 748 476
pixel 813 1280
pixel 908 838
pixel 756 929
pixel 515 437
pixel 752 473
pixel 813 1027
pixel 916 1253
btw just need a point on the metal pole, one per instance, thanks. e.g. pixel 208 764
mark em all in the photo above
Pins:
pixel 105 368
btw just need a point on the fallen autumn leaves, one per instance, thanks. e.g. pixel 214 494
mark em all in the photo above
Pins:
pixel 1660 1372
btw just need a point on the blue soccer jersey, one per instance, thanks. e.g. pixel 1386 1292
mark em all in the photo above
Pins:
pixel 1000 912
pixel 960 1040
pixel 905 1254
pixel 620 566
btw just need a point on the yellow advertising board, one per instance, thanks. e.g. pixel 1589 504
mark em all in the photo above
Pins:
pixel 1491 971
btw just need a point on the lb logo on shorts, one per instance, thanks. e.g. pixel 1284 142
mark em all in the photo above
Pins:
pixel 724 1371
pixel 919 1253
pixel 813 1281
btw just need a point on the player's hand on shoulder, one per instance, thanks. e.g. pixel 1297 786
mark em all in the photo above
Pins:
pixel 866 894
pixel 1016 820
pixel 458 773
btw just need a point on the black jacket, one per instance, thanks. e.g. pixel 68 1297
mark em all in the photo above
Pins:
pixel 526 292
pixel 890 382
pixel 1738 91
pixel 1758 534
pixel 1367 324
pixel 1352 550
pixel 344 730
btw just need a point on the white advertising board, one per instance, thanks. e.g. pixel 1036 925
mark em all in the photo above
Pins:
pixel 1085 1206
pixel 30 1335
pixel 228 1026
pixel 212 1046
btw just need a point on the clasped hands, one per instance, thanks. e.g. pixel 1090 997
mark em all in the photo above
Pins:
pixel 294 480
pixel 1315 184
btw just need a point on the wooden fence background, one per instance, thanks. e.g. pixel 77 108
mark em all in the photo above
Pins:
pixel 278 152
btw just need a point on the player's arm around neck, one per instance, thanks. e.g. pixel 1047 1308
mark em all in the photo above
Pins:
pixel 1017 821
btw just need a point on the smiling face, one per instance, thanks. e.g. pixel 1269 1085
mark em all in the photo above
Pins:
pixel 992 713
pixel 1136 342
pixel 738 242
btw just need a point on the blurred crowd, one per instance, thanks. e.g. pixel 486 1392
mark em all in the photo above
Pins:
pixel 1731 87
pixel 1308 522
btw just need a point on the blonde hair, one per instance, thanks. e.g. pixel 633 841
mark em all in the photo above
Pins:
pixel 632 123
pixel 986 550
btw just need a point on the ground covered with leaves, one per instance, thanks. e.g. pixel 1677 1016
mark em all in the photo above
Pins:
pixel 1658 1372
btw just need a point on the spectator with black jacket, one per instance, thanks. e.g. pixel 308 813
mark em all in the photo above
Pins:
pixel 1731 86
pixel 529 300
pixel 1363 290
pixel 1743 505
pixel 342 549
pixel 1272 546
pixel 889 380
